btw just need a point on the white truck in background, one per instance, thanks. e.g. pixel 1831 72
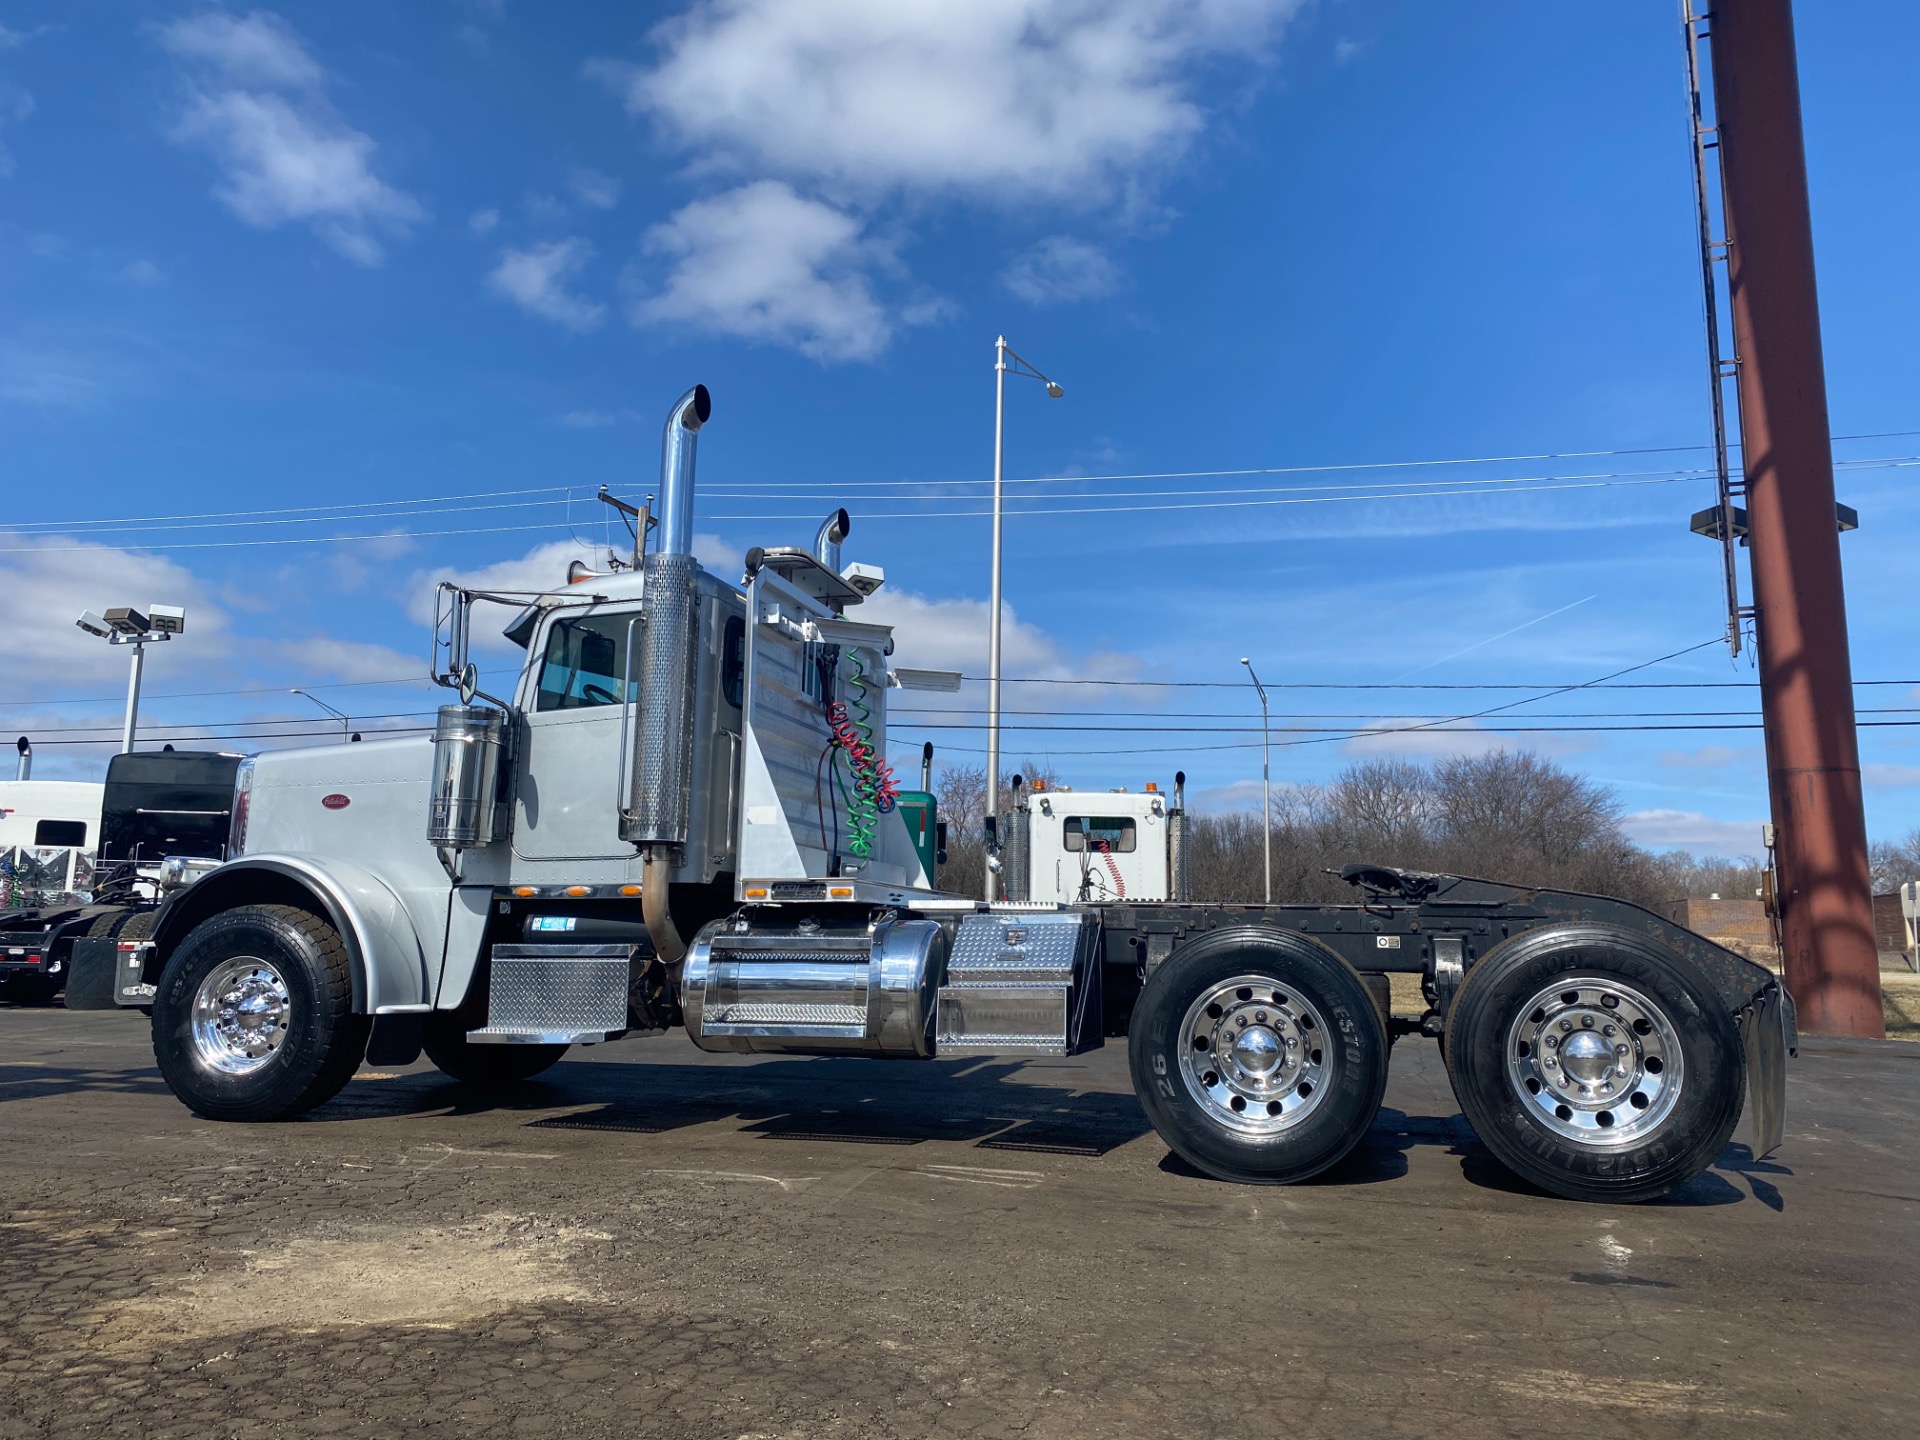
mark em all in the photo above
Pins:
pixel 682 816
pixel 1081 847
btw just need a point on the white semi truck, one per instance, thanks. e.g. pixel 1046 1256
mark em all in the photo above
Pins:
pixel 681 815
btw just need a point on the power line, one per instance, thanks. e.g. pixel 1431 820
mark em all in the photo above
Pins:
pixel 383 505
pixel 374 510
pixel 1525 700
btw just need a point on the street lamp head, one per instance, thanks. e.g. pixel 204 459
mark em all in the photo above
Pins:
pixel 168 619
pixel 1054 389
pixel 1246 662
pixel 128 621
pixel 94 624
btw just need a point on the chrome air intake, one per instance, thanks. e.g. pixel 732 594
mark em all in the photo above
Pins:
pixel 467 741
pixel 663 737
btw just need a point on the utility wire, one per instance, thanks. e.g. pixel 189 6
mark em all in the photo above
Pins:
pixel 384 505
pixel 867 516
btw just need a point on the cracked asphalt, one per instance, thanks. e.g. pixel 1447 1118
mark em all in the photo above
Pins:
pixel 653 1242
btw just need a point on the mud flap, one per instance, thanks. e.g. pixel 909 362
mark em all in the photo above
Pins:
pixel 1767 1036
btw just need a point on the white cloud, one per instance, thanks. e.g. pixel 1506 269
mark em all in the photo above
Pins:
pixel 481 222
pixel 594 190
pixel 349 660
pixel 1399 737
pixel 1234 795
pixel 15 106
pixel 589 419
pixel 952 635
pixel 1061 269
pixel 536 279
pixel 1007 98
pixel 56 376
pixel 833 110
pixel 256 101
pixel 259 49
pixel 1690 830
pixel 542 568
pixel 763 263
pixel 49 579
pixel 140 272
pixel 1886 777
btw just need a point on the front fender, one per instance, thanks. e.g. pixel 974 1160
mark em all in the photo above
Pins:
pixel 389 970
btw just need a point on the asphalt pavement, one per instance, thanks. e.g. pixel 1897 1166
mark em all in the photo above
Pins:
pixel 653 1242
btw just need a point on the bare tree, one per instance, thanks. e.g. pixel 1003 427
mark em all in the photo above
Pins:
pixel 1506 815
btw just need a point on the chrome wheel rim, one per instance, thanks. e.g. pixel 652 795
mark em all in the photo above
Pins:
pixel 1596 1062
pixel 1253 1055
pixel 240 1015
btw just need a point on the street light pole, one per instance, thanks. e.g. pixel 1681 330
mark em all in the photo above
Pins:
pixel 346 725
pixel 993 600
pixel 1002 353
pixel 1266 781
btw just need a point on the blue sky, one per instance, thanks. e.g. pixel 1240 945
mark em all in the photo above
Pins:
pixel 441 266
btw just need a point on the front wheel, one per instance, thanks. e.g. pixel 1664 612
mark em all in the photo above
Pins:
pixel 1258 1055
pixel 1594 1063
pixel 253 1016
pixel 447 1046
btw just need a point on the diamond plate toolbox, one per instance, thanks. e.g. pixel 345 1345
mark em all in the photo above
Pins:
pixel 1022 982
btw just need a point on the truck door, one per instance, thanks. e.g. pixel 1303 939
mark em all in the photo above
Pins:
pixel 567 787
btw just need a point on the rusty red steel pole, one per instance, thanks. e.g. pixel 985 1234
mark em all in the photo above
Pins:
pixel 1806 676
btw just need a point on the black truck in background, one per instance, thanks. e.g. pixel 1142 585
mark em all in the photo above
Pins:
pixel 164 817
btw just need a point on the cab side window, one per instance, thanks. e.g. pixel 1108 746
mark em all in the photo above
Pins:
pixel 581 666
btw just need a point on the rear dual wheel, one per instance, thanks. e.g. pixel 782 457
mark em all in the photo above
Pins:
pixel 1594 1064
pixel 1258 1055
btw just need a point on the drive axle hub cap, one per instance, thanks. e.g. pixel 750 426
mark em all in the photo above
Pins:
pixel 1595 1061
pixel 1251 1055
pixel 240 1015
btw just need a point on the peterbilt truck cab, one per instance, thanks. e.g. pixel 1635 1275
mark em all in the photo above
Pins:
pixel 681 814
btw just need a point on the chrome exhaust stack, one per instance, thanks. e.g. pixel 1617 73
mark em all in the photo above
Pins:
pixel 826 542
pixel 661 796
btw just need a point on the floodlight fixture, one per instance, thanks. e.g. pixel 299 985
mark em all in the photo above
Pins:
pixel 94 624
pixel 168 619
pixel 126 620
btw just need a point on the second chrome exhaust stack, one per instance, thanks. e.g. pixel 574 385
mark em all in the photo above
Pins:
pixel 661 797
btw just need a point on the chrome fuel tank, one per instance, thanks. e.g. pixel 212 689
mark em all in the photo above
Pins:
pixel 811 989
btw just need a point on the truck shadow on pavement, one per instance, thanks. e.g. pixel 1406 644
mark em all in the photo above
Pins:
pixel 994 1105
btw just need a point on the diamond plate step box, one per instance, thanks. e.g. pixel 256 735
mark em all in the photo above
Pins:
pixel 555 995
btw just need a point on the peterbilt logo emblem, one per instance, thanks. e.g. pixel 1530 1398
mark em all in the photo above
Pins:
pixel 335 802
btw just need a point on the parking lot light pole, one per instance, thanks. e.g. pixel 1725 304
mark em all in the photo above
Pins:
pixel 124 625
pixel 346 725
pixel 1266 781
pixel 1002 354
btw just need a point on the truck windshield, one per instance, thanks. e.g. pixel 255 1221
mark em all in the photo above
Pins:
pixel 583 661
pixel 1114 833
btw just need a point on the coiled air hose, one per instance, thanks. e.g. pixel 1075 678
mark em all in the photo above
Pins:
pixel 875 791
